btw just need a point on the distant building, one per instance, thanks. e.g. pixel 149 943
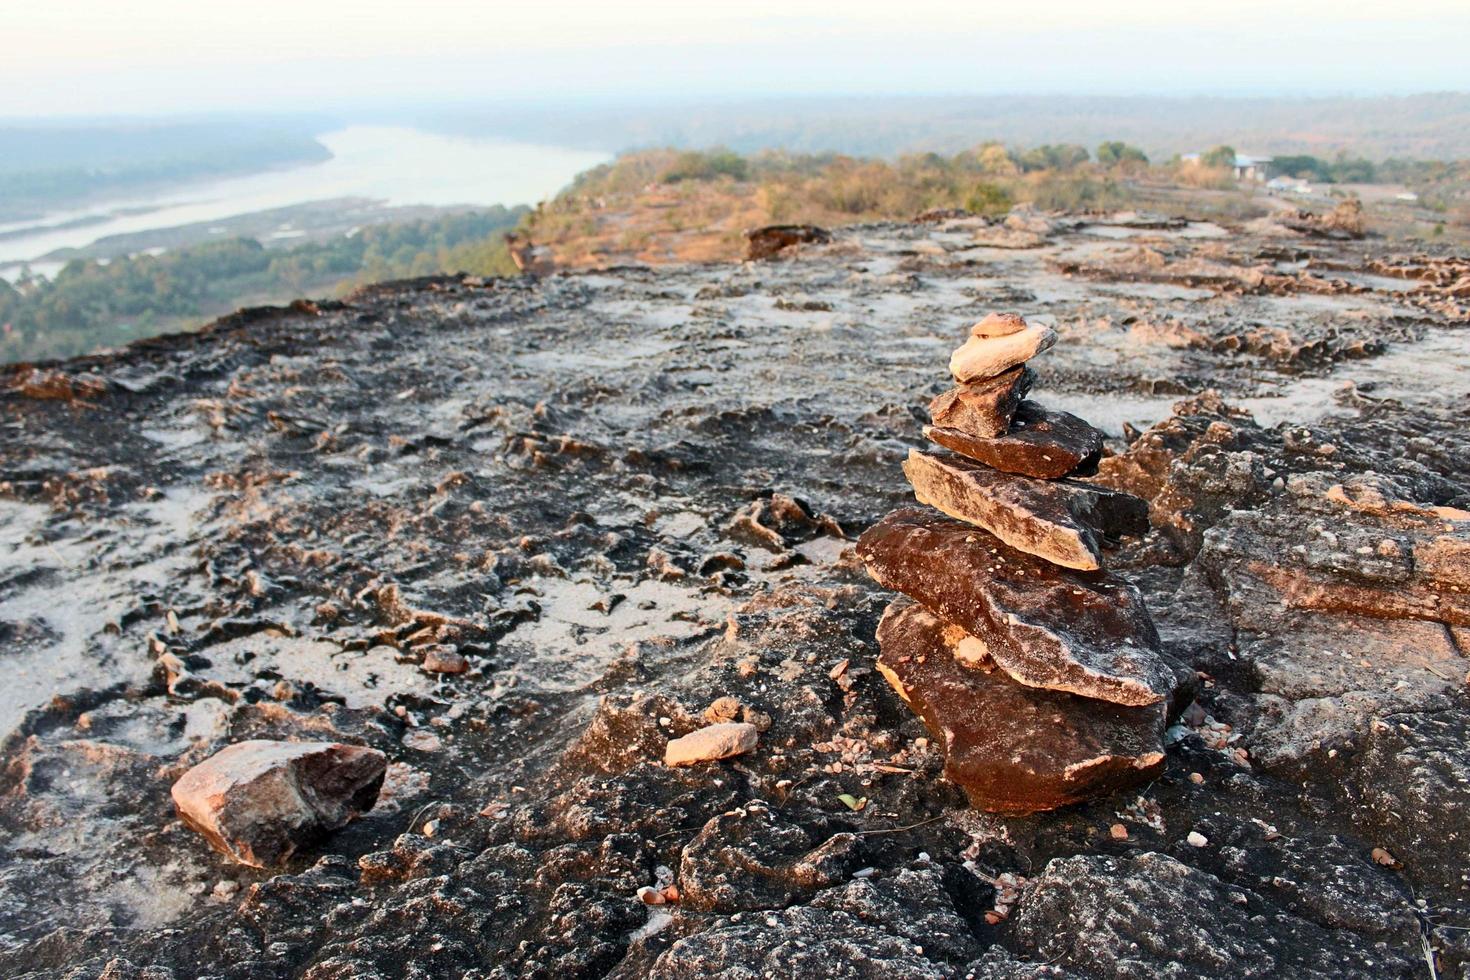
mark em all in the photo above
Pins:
pixel 1252 168
pixel 1245 167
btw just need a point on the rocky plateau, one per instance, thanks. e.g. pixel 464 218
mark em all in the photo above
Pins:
pixel 526 537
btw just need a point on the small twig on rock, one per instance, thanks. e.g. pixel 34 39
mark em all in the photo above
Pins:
pixel 895 830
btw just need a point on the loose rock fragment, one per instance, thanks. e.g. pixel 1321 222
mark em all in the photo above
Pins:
pixel 1040 443
pixel 1087 634
pixel 713 742
pixel 1066 523
pixel 983 409
pixel 443 659
pixel 980 358
pixel 1011 748
pixel 256 802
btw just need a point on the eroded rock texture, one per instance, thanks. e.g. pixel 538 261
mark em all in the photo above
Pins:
pixel 624 499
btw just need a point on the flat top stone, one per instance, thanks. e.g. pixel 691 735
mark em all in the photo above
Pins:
pixel 1063 521
pixel 999 325
pixel 1039 442
pixel 1084 633
pixel 979 358
pixel 1011 748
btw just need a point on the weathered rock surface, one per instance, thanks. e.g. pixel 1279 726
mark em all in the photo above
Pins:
pixel 1067 523
pixel 984 409
pixel 1048 627
pixel 1040 443
pixel 313 495
pixel 1121 918
pixel 713 742
pixel 1012 748
pixel 258 801
pixel 982 358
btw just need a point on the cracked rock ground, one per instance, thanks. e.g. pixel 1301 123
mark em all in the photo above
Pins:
pixel 518 535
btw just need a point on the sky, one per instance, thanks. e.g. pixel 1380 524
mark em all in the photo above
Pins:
pixel 146 57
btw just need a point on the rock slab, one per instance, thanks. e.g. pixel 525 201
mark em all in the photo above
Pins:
pixel 984 409
pixel 1013 749
pixel 1064 522
pixel 980 358
pixel 1085 634
pixel 1040 443
pixel 257 802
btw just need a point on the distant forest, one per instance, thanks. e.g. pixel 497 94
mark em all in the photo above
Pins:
pixel 1431 126
pixel 91 304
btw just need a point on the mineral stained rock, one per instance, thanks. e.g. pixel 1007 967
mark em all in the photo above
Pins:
pixel 1064 522
pixel 983 409
pixel 981 358
pixel 1087 634
pixel 1040 443
pixel 257 802
pixel 713 742
pixel 1011 748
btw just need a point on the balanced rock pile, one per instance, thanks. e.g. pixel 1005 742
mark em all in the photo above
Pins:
pixel 1038 673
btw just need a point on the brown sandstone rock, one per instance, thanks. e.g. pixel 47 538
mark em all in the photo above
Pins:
pixel 256 802
pixel 1040 443
pixel 763 243
pixel 1087 634
pixel 983 409
pixel 980 358
pixel 1013 749
pixel 711 743
pixel 1064 522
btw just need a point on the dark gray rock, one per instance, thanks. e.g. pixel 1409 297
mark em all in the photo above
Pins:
pixel 1155 917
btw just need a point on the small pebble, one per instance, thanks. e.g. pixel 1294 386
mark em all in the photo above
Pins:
pixel 1118 832
pixel 1197 839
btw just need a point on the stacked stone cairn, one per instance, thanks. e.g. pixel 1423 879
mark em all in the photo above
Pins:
pixel 1038 673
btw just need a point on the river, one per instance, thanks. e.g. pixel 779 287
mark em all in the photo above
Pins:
pixel 394 165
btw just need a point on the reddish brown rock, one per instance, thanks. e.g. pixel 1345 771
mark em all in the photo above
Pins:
pixel 1064 522
pixel 1040 443
pixel 984 409
pixel 256 802
pixel 1013 749
pixel 763 243
pixel 1084 633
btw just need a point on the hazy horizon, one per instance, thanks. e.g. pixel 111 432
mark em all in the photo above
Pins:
pixel 94 59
